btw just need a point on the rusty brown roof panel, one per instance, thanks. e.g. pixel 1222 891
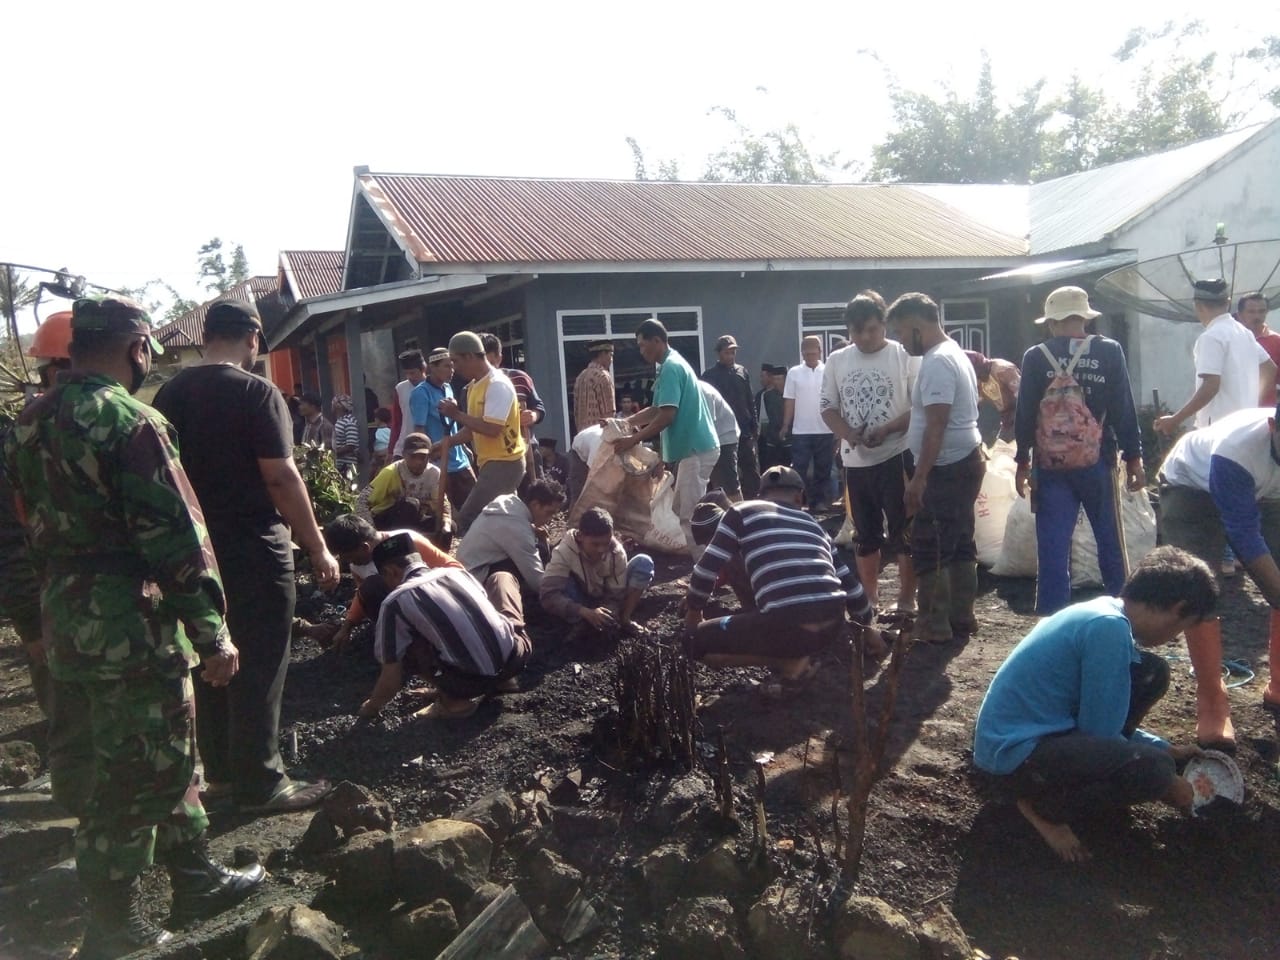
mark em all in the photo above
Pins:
pixel 188 329
pixel 505 220
pixel 312 273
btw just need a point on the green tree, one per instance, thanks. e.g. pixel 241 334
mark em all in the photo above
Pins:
pixel 774 156
pixel 667 169
pixel 161 300
pixel 218 276
pixel 16 292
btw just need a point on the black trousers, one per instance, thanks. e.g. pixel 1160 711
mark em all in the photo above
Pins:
pixel 942 531
pixel 238 726
pixel 1072 774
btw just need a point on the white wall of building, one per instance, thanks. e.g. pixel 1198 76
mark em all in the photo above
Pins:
pixel 1243 193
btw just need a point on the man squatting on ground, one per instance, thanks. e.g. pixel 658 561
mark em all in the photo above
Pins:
pixel 1218 485
pixel 1060 720
pixel 234 431
pixel 866 401
pixel 407 494
pixel 468 640
pixel 351 539
pixel 801 589
pixel 131 600
pixel 679 413
pixel 491 424
pixel 730 378
pixel 1071 471
pixel 945 443
pixel 589 579
pixel 511 534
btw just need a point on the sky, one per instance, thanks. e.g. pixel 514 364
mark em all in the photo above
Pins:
pixel 137 131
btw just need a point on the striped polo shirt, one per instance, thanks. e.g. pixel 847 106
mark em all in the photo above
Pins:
pixel 447 608
pixel 788 556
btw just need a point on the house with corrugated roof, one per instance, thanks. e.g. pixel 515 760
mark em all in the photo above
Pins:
pixel 550 264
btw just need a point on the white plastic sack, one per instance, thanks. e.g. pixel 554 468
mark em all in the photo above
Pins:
pixel 1139 522
pixel 665 533
pixel 991 510
pixel 1018 556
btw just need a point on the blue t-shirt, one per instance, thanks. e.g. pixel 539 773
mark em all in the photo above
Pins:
pixel 1071 672
pixel 424 405
pixel 692 431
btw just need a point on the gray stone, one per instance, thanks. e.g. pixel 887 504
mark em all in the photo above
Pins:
pixel 555 881
pixel 703 928
pixel 353 809
pixel 867 927
pixel 684 797
pixel 496 814
pixel 293 933
pixel 19 763
pixel 442 858
pixel 942 937
pixel 721 872
pixel 362 869
pixel 664 871
pixel 26 847
pixel 485 894
pixel 577 823
pixel 322 836
pixel 424 931
pixel 781 924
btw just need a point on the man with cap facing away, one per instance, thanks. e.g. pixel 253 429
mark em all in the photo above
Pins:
pixel 730 378
pixel 424 404
pixel 802 589
pixel 679 414
pixel 1081 471
pixel 491 423
pixel 593 401
pixel 440 623
pixel 236 442
pixel 131 600
pixel 1233 371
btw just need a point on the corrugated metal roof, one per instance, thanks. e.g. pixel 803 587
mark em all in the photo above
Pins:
pixel 488 220
pixel 312 273
pixel 1089 207
pixel 188 329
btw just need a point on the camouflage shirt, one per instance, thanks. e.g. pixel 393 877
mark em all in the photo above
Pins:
pixel 116 534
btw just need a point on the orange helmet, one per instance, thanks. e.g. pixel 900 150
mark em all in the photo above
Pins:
pixel 53 337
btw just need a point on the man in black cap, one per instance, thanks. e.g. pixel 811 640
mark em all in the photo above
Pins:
pixel 440 623
pixel 236 445
pixel 732 382
pixel 593 401
pixel 1233 372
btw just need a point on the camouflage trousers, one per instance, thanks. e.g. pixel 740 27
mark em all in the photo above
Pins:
pixel 139 765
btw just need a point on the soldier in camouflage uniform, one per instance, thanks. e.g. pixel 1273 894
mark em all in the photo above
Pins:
pixel 131 600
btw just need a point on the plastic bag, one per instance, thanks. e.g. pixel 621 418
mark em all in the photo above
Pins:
pixel 1139 521
pixel 995 500
pixel 665 533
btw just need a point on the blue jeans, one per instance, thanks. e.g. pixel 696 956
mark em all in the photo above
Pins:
pixel 816 449
pixel 1059 496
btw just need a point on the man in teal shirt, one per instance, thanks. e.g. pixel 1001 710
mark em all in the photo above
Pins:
pixel 680 415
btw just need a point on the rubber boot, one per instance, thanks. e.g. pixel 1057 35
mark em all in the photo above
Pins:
pixel 964 593
pixel 933 621
pixel 116 924
pixel 203 887
pixel 1213 714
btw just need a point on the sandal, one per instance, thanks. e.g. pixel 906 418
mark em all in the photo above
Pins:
pixel 291 796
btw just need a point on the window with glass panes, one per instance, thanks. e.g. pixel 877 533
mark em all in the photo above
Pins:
pixel 630 373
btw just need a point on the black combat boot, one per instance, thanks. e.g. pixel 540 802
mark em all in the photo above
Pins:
pixel 202 887
pixel 116 924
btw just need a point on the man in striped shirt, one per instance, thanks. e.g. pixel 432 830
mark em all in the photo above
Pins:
pixel 346 436
pixel 442 624
pixel 802 589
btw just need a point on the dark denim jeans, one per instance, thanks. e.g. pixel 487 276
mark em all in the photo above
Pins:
pixel 814 449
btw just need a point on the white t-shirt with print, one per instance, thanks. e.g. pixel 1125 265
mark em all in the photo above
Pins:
pixel 868 389
pixel 1228 350
pixel 946 376
pixel 804 386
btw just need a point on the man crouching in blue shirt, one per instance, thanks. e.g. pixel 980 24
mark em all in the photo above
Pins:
pixel 1060 719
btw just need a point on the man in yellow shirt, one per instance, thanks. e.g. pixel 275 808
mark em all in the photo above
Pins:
pixel 491 424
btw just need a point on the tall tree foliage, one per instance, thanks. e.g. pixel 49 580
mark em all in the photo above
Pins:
pixel 774 156
pixel 218 275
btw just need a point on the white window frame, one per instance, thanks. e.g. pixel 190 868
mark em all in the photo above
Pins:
pixel 508 345
pixel 608 313
pixel 824 331
pixel 985 323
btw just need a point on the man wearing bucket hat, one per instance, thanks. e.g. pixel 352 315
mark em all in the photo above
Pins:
pixel 237 447
pixel 1082 381
pixel 131 600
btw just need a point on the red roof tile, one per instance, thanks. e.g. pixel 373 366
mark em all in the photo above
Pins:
pixel 486 220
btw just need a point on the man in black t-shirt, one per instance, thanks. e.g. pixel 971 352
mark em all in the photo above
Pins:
pixel 235 440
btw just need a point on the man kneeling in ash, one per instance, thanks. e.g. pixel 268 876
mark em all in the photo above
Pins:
pixel 801 588
pixel 1060 719
pixel 439 623
pixel 590 581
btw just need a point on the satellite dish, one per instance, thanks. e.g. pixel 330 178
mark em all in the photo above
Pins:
pixel 1162 287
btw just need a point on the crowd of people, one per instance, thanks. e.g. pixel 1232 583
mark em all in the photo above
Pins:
pixel 161 543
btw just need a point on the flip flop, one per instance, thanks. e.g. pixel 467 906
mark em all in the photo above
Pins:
pixel 438 711
pixel 291 796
